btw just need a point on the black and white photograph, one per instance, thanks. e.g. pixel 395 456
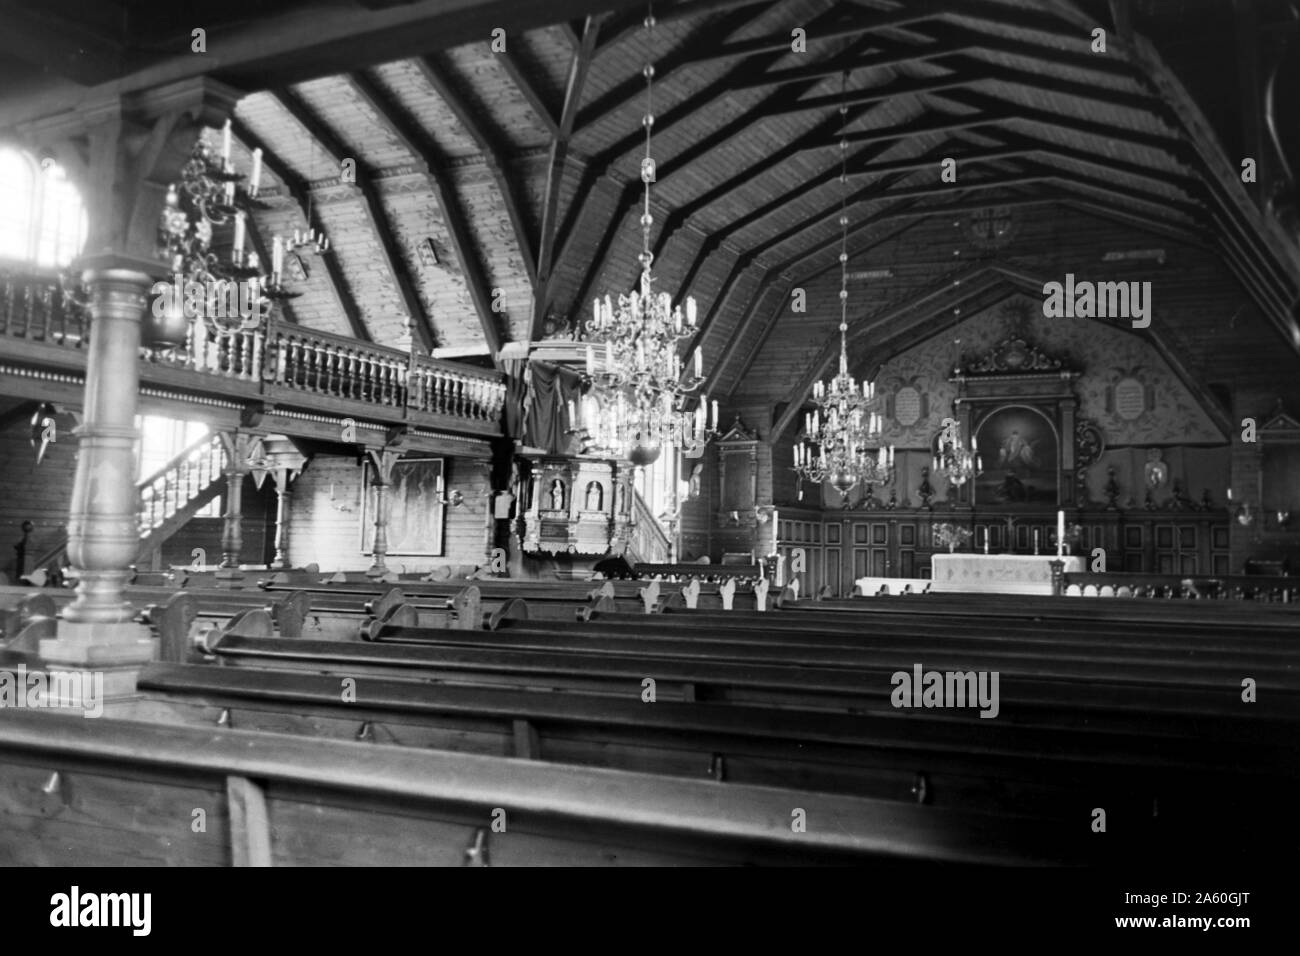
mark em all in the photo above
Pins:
pixel 573 434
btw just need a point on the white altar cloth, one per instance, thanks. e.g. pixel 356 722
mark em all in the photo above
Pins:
pixel 998 573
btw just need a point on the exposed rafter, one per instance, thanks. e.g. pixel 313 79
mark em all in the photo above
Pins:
pixel 524 83
pixel 384 232
pixel 492 146
pixel 578 68
pixel 664 123
pixel 421 145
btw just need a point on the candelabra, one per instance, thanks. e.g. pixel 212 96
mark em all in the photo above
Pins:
pixel 954 460
pixel 632 356
pixel 228 294
pixel 843 432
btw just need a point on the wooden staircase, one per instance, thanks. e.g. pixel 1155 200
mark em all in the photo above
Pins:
pixel 178 490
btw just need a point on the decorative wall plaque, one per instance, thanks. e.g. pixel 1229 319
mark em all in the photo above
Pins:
pixel 1130 399
pixel 907 406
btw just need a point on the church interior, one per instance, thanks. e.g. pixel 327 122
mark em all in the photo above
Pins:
pixel 611 432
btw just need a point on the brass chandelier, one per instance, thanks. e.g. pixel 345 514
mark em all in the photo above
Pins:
pixel 632 356
pixel 227 295
pixel 954 459
pixel 842 443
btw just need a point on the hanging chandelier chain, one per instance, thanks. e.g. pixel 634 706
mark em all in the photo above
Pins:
pixel 842 444
pixel 648 121
pixel 639 385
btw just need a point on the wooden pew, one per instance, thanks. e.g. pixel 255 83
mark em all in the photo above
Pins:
pixel 1216 587
pixel 969 764
pixel 628 596
pixel 80 784
pixel 27 616
pixel 857 690
pixel 1049 608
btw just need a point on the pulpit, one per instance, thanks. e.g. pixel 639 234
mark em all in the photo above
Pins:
pixel 576 505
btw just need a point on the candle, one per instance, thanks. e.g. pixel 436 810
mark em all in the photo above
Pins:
pixel 1060 533
pixel 690 311
pixel 255 180
pixel 225 141
pixel 1035 541
pixel 277 256
pixel 239 238
pixel 715 413
pixel 699 363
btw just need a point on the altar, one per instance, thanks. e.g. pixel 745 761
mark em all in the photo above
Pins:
pixel 998 573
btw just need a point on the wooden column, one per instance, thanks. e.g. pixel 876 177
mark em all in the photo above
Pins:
pixel 102 533
pixel 282 477
pixel 120 152
pixel 382 460
pixel 238 448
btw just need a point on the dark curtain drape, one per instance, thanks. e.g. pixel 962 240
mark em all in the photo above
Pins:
pixel 547 424
pixel 516 392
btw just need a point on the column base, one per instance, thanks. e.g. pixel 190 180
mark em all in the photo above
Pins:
pixel 93 644
pixel 93 663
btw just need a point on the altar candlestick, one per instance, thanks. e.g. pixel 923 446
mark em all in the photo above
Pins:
pixel 1060 533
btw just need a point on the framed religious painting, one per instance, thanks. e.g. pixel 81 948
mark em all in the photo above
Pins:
pixel 415 508
pixel 1021 451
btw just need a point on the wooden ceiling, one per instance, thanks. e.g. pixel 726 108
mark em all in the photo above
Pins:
pixel 498 191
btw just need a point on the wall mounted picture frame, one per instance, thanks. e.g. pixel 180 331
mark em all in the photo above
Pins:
pixel 416 515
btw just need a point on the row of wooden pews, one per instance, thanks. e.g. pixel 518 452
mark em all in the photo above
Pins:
pixel 1149 718
pixel 112 791
pixel 1134 715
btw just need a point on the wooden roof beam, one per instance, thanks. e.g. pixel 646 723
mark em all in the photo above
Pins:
pixel 852 22
pixel 578 68
pixel 792 282
pixel 524 83
pixel 875 192
pixel 682 160
pixel 1168 142
pixel 663 123
pixel 620 97
pixel 492 146
pixel 384 232
pixel 421 145
pixel 623 23
pixel 299 190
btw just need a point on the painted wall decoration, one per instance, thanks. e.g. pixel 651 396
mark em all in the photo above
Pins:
pixel 1020 452
pixel 1127 388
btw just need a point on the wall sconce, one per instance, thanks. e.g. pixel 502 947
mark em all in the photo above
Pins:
pixel 1245 516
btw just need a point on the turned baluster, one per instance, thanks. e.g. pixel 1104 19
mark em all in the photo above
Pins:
pixel 27 309
pixel 6 314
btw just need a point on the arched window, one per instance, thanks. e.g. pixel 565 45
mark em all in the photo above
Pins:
pixel 42 218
